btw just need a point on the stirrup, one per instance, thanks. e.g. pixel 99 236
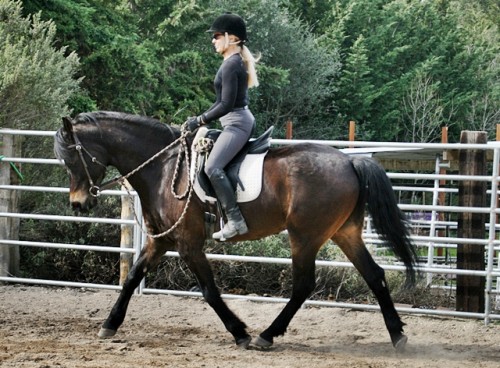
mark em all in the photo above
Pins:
pixel 230 229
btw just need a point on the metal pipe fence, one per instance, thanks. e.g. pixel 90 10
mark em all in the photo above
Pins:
pixel 428 242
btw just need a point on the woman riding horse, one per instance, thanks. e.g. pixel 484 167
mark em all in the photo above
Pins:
pixel 234 77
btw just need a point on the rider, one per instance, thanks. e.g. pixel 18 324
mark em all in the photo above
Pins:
pixel 234 77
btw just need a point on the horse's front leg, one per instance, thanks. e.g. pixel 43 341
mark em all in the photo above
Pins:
pixel 148 259
pixel 199 265
pixel 303 268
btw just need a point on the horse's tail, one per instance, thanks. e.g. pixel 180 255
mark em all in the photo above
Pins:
pixel 390 223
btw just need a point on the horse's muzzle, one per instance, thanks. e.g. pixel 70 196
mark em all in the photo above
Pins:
pixel 81 202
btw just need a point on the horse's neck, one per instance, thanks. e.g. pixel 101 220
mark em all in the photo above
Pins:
pixel 129 147
pixel 127 156
pixel 130 150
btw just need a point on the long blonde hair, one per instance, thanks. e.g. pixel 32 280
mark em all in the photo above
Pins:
pixel 248 58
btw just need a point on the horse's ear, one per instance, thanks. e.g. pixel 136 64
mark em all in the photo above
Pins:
pixel 68 125
pixel 66 132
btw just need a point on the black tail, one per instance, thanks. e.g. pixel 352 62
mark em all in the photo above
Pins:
pixel 390 223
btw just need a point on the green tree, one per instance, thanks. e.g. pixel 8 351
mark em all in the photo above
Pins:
pixel 36 79
pixel 482 52
pixel 298 76
pixel 128 58
pixel 401 39
pixel 323 62
pixel 155 58
pixel 357 89
pixel 116 66
pixel 311 11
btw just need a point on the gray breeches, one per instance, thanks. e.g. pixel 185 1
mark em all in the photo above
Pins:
pixel 237 129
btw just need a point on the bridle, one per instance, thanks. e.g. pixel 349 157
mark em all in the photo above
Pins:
pixel 95 190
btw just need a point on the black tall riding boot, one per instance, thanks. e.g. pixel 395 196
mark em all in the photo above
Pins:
pixel 227 197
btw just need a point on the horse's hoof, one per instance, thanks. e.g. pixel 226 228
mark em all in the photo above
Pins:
pixel 105 333
pixel 244 342
pixel 262 343
pixel 401 344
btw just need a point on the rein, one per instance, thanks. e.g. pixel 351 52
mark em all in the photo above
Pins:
pixel 95 190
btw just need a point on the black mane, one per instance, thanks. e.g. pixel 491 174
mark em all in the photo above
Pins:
pixel 62 143
pixel 149 128
pixel 96 116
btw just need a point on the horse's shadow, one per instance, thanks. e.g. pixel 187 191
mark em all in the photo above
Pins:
pixel 373 350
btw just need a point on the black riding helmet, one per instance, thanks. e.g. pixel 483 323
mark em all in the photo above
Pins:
pixel 230 23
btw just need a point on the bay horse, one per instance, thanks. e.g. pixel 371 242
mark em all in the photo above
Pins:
pixel 313 191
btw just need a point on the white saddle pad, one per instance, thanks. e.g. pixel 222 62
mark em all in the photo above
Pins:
pixel 250 175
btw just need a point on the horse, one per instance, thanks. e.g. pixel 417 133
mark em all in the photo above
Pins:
pixel 315 192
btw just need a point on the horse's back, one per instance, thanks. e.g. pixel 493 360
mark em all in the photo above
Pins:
pixel 311 162
pixel 308 184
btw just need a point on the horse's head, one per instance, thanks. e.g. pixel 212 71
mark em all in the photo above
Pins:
pixel 83 159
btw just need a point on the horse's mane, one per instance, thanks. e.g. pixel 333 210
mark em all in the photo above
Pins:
pixel 145 121
pixel 146 125
pixel 61 146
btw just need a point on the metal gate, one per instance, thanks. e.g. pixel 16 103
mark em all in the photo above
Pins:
pixel 422 217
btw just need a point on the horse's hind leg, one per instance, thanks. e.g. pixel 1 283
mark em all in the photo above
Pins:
pixel 353 246
pixel 149 258
pixel 199 265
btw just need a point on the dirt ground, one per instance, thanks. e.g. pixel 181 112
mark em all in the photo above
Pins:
pixel 55 327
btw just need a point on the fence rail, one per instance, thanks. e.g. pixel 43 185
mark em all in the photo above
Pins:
pixel 431 240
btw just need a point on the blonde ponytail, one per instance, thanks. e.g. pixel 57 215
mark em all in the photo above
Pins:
pixel 250 60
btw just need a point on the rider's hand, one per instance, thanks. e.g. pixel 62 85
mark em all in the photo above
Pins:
pixel 192 123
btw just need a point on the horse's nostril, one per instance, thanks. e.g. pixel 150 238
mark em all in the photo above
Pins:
pixel 76 206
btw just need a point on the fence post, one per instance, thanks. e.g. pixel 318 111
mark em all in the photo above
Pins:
pixel 470 289
pixel 4 205
pixel 127 233
pixel 497 254
pixel 352 131
pixel 289 129
pixel 442 184
pixel 9 227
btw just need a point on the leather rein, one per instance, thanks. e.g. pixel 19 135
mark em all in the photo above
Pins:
pixel 95 190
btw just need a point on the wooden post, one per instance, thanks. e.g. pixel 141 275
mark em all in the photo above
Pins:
pixel 4 207
pixel 127 234
pixel 470 289
pixel 497 254
pixel 352 130
pixel 289 129
pixel 442 183
pixel 9 202
pixel 498 199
